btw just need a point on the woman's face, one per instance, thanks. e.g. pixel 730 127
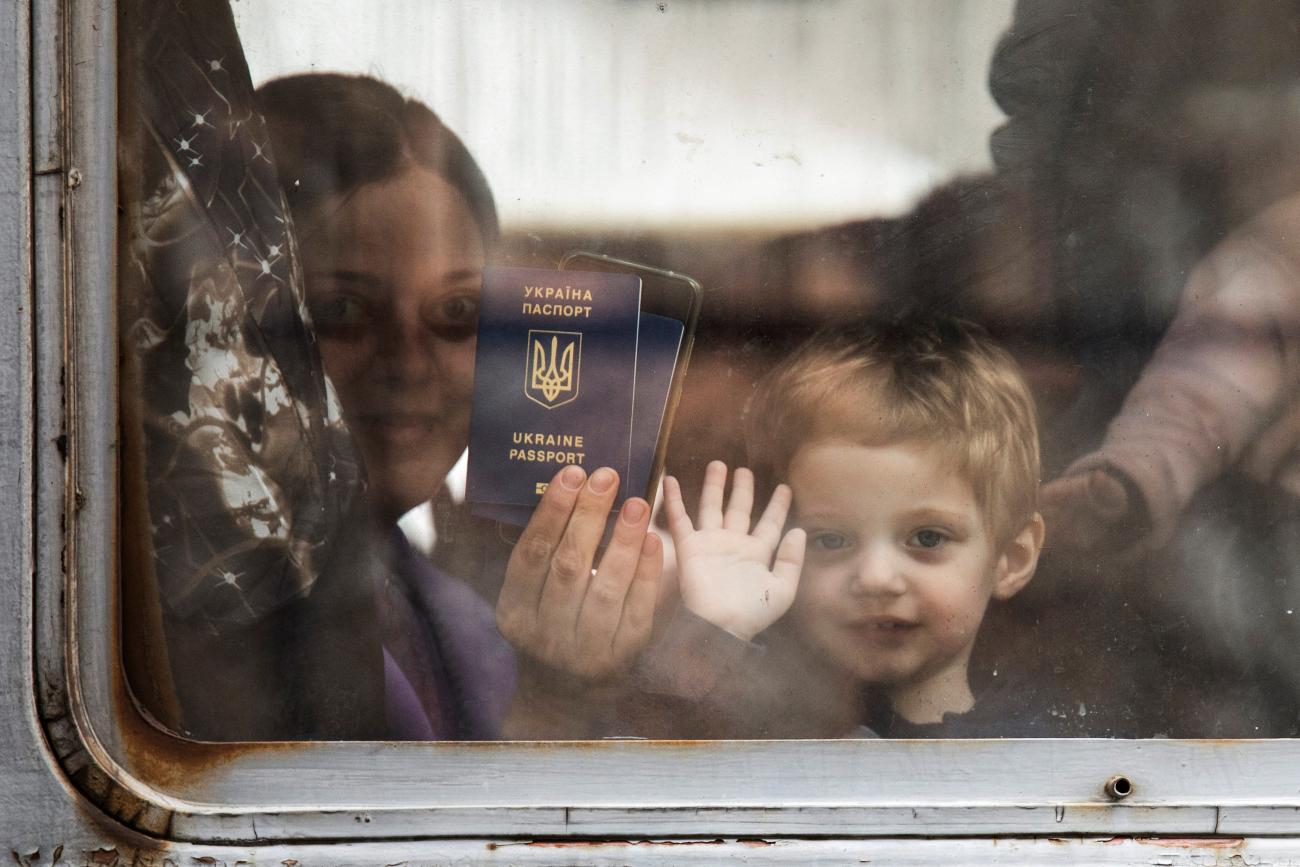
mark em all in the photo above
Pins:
pixel 393 273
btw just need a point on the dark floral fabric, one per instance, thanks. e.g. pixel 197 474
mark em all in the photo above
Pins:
pixel 259 562
pixel 250 464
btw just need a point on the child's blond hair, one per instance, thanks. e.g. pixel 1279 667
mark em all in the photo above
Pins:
pixel 942 381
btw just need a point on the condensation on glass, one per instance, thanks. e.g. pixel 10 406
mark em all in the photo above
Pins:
pixel 1001 308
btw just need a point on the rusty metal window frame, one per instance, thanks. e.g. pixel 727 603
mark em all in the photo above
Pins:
pixel 249 793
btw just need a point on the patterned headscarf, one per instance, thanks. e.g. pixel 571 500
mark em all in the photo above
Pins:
pixel 251 479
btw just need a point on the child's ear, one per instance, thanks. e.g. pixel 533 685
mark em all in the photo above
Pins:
pixel 1019 559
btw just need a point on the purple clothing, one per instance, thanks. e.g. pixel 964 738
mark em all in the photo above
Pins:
pixel 448 673
pixel 1221 388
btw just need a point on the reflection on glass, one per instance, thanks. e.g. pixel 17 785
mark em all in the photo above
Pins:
pixel 938 240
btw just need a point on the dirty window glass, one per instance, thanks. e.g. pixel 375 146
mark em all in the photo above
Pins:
pixel 972 418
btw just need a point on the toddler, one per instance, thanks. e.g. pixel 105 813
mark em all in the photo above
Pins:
pixel 911 455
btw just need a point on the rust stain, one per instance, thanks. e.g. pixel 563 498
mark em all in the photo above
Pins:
pixel 96 815
pixel 161 757
pixel 164 758
pixel 1193 842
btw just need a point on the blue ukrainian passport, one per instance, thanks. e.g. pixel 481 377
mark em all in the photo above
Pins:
pixel 554 383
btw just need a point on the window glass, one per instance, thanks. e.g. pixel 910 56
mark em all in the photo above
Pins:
pixel 973 419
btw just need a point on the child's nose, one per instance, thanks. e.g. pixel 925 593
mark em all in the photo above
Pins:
pixel 878 572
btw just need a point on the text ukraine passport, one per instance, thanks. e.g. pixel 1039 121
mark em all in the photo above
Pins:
pixel 554 380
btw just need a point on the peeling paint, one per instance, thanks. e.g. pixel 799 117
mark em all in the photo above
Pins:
pixel 103 856
pixel 25 860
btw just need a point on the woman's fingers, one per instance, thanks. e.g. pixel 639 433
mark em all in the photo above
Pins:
pixel 638 616
pixel 553 607
pixel 679 523
pixel 769 527
pixel 602 606
pixel 741 503
pixel 570 567
pixel 715 483
pixel 530 561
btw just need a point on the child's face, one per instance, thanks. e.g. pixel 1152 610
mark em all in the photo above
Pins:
pixel 900 562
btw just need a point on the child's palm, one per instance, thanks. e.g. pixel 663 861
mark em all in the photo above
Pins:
pixel 739 580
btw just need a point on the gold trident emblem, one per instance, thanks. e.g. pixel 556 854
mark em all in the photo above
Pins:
pixel 557 377
pixel 555 372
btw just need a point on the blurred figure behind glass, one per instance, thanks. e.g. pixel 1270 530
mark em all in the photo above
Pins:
pixel 396 223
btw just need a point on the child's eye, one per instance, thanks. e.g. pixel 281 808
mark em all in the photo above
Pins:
pixel 828 541
pixel 927 538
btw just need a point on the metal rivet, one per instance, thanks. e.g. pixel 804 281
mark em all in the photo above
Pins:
pixel 1119 787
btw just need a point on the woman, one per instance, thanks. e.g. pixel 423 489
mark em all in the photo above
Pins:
pixel 394 222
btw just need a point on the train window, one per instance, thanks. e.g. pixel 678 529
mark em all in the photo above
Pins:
pixel 970 423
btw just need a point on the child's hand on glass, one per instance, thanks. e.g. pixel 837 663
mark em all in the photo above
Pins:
pixel 728 574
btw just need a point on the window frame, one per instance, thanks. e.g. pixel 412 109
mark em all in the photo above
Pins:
pixel 319 791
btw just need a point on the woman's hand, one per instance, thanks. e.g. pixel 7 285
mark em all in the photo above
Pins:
pixel 574 627
pixel 727 574
pixel 1090 513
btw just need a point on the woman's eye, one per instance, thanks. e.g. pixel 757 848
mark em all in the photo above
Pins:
pixel 339 313
pixel 455 318
pixel 828 541
pixel 462 309
pixel 928 539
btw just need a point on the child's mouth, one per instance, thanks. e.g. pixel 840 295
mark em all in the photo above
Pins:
pixel 884 626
